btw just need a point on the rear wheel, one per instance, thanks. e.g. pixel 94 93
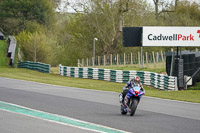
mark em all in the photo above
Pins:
pixel 122 110
pixel 133 106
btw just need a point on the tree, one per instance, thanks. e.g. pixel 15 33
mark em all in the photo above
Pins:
pixel 105 17
pixel 35 47
pixel 186 13
pixel 57 3
pixel 156 3
pixel 15 14
pixel 164 8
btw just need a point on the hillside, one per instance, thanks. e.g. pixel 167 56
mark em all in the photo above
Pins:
pixel 3 57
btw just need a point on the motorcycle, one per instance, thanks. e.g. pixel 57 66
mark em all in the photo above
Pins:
pixel 134 95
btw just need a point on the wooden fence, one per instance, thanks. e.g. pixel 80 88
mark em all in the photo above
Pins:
pixel 125 59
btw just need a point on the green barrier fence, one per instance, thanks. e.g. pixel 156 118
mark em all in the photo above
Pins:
pixel 37 66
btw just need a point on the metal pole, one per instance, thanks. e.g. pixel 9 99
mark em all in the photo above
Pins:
pixel 177 52
pixel 95 39
pixel 141 58
pixel 192 76
pixel 177 70
pixel 93 50
pixel 172 63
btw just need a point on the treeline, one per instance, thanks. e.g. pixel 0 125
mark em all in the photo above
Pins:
pixel 45 35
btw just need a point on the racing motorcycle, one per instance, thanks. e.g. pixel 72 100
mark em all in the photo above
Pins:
pixel 134 95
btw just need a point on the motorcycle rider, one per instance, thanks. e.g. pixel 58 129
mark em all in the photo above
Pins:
pixel 131 83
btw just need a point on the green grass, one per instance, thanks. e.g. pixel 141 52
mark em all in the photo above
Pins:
pixel 184 95
pixel 3 58
pixel 158 69
pixel 136 68
pixel 24 74
pixel 196 87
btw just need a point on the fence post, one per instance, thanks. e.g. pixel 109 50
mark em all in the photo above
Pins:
pixel 117 59
pixel 104 60
pixel 82 62
pixel 78 62
pixel 162 56
pixel 162 59
pixel 124 59
pixel 93 61
pixel 99 63
pixel 147 59
pixel 154 59
pixel 87 62
pixel 131 58
pixel 139 58
pixel 110 59
pixel 143 60
pixel 157 57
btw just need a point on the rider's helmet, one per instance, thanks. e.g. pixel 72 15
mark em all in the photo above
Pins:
pixel 137 79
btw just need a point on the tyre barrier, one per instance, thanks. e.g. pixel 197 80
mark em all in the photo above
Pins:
pixel 159 81
pixel 37 66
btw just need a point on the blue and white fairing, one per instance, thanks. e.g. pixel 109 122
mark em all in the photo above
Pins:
pixel 136 92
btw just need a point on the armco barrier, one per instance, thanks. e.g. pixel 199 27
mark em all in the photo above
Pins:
pixel 159 81
pixel 38 66
pixel 11 49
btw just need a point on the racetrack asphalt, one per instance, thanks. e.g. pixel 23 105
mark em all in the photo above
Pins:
pixel 153 115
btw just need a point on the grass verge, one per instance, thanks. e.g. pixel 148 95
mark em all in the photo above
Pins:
pixel 136 68
pixel 24 74
pixel 158 69
pixel 3 59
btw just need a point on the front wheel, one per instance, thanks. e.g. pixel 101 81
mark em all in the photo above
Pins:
pixel 122 110
pixel 133 106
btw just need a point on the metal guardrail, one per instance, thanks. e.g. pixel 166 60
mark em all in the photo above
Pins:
pixel 156 80
pixel 37 66
pixel 12 49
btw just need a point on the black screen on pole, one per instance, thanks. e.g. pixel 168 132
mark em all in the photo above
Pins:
pixel 132 36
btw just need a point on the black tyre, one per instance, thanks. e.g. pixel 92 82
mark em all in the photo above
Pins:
pixel 122 111
pixel 133 106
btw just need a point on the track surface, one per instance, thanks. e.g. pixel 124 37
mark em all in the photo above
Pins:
pixel 152 116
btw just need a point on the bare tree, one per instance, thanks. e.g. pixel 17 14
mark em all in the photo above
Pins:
pixel 176 3
pixel 156 3
pixel 162 3
pixel 123 7
pixel 106 16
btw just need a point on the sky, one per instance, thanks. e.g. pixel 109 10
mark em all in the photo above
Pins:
pixel 69 9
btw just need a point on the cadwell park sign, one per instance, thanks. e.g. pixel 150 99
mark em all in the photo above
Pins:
pixel 161 36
